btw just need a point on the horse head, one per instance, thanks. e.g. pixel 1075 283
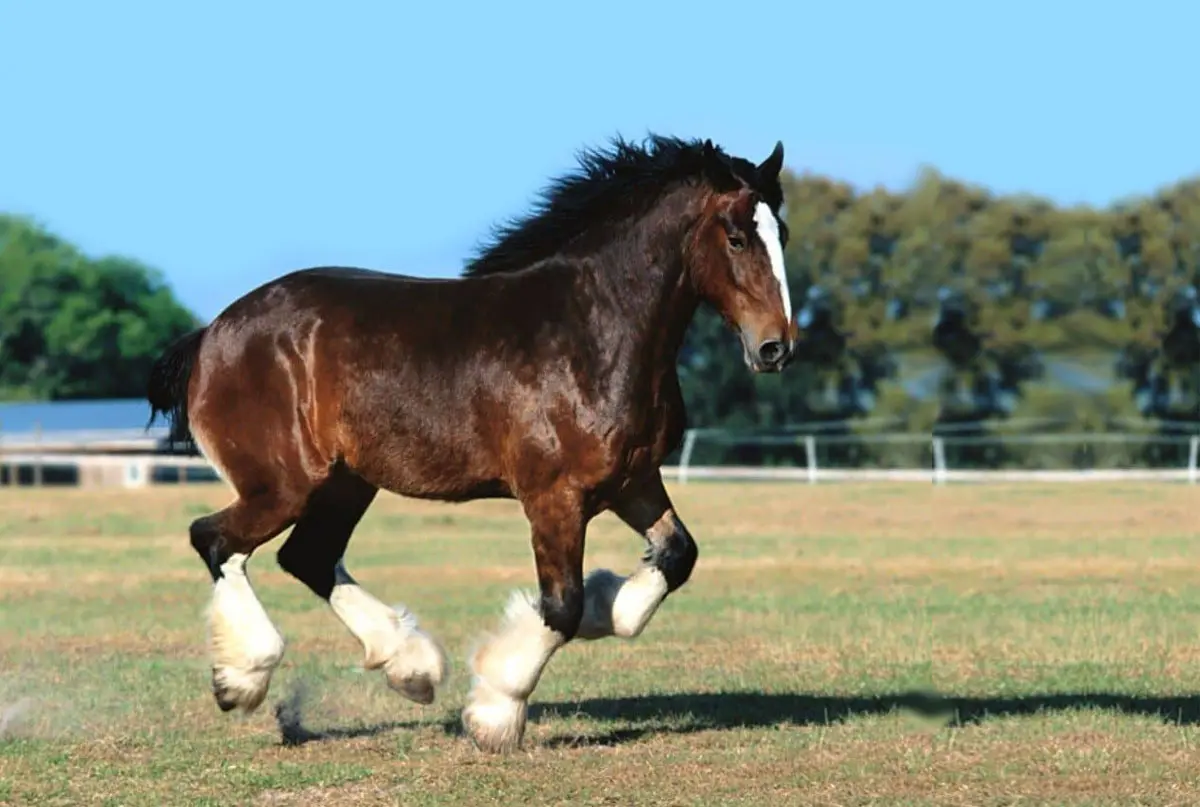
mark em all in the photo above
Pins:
pixel 735 256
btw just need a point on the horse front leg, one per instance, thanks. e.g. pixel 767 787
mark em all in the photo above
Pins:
pixel 622 606
pixel 509 664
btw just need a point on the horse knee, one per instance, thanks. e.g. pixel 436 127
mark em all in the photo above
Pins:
pixel 562 611
pixel 676 558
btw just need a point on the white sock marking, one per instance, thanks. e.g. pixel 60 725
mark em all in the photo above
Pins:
pixel 245 646
pixel 412 661
pixel 506 671
pixel 637 600
pixel 768 232
pixel 621 606
pixel 514 658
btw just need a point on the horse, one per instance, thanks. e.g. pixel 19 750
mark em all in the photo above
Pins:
pixel 545 373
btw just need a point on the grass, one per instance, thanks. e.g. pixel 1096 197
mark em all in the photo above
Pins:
pixel 837 645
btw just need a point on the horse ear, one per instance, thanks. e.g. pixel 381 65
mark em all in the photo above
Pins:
pixel 713 155
pixel 771 166
pixel 717 168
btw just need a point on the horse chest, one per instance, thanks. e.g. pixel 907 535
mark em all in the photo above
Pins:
pixel 656 433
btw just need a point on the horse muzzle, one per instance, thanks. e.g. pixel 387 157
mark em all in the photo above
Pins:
pixel 769 355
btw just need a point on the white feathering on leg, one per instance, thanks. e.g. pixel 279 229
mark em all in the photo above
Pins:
pixel 413 662
pixel 506 668
pixel 244 645
pixel 621 606
pixel 637 600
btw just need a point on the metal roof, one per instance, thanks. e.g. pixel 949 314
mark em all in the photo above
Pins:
pixel 118 422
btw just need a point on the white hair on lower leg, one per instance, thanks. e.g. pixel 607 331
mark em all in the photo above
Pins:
pixel 620 606
pixel 244 645
pixel 507 667
pixel 413 662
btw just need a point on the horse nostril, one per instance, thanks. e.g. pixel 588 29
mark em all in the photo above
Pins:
pixel 772 352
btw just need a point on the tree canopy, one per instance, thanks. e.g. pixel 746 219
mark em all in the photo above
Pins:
pixel 946 303
pixel 73 327
pixel 938 306
pixel 1071 279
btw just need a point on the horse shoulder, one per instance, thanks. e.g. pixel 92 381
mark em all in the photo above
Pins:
pixel 653 427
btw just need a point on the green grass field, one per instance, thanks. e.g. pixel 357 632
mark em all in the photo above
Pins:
pixel 836 645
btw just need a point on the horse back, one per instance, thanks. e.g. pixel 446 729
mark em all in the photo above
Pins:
pixel 426 388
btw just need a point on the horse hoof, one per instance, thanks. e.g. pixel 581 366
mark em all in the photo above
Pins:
pixel 417 668
pixel 495 723
pixel 237 690
pixel 417 688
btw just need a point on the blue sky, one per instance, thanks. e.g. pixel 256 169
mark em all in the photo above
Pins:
pixel 225 143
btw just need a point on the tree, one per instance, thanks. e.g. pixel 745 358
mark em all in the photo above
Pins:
pixel 1076 316
pixel 74 327
pixel 1070 308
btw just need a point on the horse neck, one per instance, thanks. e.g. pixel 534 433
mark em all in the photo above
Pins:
pixel 645 299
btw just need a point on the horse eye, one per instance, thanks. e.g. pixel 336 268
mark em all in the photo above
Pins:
pixel 737 242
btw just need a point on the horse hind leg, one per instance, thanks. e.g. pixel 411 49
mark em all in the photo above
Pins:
pixel 413 663
pixel 244 645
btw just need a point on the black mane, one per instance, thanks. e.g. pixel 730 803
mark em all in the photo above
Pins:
pixel 609 185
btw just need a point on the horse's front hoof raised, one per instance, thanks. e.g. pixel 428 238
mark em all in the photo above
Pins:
pixel 419 689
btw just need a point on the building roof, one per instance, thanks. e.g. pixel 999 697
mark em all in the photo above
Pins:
pixel 79 423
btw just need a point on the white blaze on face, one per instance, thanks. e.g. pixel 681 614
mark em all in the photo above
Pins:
pixel 768 231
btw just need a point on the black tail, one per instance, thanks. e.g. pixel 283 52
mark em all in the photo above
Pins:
pixel 168 385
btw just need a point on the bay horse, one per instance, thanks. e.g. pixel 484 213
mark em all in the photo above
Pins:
pixel 545 374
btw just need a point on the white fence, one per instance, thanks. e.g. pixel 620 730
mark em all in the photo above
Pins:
pixel 98 459
pixel 940 471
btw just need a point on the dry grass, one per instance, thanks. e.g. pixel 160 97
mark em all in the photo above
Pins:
pixel 837 645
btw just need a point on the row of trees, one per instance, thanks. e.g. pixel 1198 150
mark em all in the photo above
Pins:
pixel 1059 279
pixel 945 305
pixel 937 306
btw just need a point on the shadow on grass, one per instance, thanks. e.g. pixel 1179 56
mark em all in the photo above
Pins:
pixel 292 732
pixel 687 713
pixel 289 717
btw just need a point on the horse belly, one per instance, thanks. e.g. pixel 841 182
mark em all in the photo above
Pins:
pixel 425 463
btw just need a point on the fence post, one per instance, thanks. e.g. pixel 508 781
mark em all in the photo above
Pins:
pixel 939 461
pixel 1193 456
pixel 810 451
pixel 685 456
pixel 37 454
